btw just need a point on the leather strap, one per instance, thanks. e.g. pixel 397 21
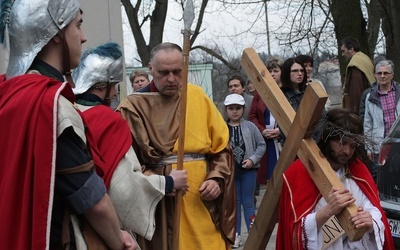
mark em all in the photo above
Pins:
pixel 65 233
pixel 79 169
pixel 66 59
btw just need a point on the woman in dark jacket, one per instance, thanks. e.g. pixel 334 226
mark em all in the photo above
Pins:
pixel 294 83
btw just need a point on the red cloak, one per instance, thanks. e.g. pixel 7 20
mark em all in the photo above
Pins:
pixel 28 125
pixel 303 195
pixel 109 138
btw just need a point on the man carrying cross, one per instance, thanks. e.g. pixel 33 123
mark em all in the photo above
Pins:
pixel 303 211
pixel 208 213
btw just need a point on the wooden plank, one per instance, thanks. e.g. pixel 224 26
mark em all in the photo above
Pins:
pixel 316 164
pixel 308 111
pixel 325 178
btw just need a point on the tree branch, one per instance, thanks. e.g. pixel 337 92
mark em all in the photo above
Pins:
pixel 219 57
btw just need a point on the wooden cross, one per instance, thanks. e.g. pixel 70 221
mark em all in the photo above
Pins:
pixel 298 128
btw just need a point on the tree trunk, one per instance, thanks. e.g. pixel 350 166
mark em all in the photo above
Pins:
pixel 374 23
pixel 157 24
pixel 157 21
pixel 349 21
pixel 390 26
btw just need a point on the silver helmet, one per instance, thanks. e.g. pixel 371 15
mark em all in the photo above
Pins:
pixel 99 67
pixel 31 25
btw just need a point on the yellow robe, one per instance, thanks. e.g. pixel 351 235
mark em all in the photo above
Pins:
pixel 153 120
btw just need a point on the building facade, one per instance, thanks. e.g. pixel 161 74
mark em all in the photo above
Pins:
pixel 102 22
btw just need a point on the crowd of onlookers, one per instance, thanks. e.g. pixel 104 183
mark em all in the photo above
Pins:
pixel 254 135
pixel 368 90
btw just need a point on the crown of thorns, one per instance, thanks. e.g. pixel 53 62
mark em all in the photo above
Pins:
pixel 341 133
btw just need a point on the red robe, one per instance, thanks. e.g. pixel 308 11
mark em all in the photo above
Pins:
pixel 109 139
pixel 303 195
pixel 28 125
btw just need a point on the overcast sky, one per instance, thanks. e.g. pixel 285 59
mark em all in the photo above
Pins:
pixel 224 27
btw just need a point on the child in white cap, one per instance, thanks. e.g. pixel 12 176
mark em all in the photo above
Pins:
pixel 248 147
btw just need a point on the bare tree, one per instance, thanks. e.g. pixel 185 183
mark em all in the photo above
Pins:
pixel 390 24
pixel 367 29
pixel 308 26
pixel 375 15
pixel 313 26
pixel 157 21
pixel 144 16
pixel 347 24
pixel 140 13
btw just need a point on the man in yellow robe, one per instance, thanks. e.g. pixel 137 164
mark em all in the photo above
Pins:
pixel 208 213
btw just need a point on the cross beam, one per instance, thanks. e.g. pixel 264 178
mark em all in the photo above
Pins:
pixel 309 110
pixel 298 141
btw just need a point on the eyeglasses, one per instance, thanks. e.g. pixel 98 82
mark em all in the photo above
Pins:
pixel 297 71
pixel 383 73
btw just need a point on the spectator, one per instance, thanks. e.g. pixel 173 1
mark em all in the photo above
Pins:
pixel 364 94
pixel 359 73
pixel 274 66
pixel 382 107
pixel 250 87
pixel 139 79
pixel 361 111
pixel 308 63
pixel 237 85
pixel 248 147
pixel 261 116
pixel 294 83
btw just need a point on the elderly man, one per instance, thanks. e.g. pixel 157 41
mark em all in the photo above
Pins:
pixel 359 73
pixel 382 107
pixel 208 214
pixel 303 212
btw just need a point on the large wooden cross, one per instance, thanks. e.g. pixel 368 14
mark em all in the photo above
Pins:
pixel 298 128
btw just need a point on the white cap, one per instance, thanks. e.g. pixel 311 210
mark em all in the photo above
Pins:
pixel 234 99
